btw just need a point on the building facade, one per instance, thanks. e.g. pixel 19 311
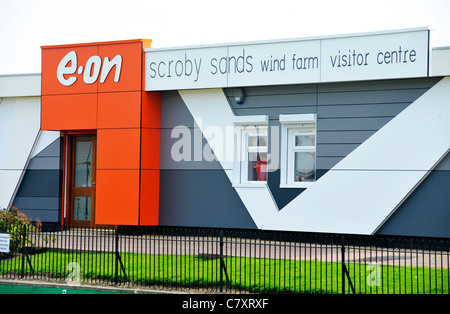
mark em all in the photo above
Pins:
pixel 340 134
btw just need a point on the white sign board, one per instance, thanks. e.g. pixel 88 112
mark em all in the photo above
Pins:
pixel 4 242
pixel 401 54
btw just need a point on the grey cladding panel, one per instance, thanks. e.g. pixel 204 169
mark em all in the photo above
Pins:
pixel 343 137
pixel 348 114
pixel 33 203
pixel 370 97
pixel 444 164
pixel 174 112
pixel 40 183
pixel 275 101
pixel 274 113
pixel 277 90
pixel 45 163
pixel 335 150
pixel 327 163
pixel 39 194
pixel 201 199
pixel 43 215
pixel 352 124
pixel 189 145
pixel 360 111
pixel 378 85
pixel 53 150
pixel 425 212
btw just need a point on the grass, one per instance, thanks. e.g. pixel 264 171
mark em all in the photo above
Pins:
pixel 255 275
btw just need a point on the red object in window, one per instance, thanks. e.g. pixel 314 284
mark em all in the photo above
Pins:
pixel 261 170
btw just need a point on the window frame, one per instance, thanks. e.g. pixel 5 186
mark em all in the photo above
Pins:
pixel 245 126
pixel 293 125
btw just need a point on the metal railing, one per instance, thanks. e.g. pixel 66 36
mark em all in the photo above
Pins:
pixel 225 260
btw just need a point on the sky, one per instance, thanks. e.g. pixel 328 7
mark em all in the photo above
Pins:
pixel 26 25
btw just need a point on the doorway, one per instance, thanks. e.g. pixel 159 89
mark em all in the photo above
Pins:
pixel 81 180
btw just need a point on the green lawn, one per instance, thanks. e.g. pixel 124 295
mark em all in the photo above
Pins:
pixel 244 273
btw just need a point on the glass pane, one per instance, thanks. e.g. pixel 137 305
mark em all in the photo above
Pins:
pixel 257 167
pixel 83 164
pixel 82 208
pixel 305 140
pixel 305 166
pixel 257 140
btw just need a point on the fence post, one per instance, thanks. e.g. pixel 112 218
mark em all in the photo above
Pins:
pixel 25 253
pixel 118 260
pixel 24 234
pixel 345 270
pixel 343 263
pixel 223 267
pixel 221 261
pixel 116 252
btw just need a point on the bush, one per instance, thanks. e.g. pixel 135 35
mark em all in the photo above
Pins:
pixel 14 222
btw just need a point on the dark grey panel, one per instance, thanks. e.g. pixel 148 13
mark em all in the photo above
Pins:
pixel 174 112
pixel 33 203
pixel 445 163
pixel 282 196
pixel 45 163
pixel 426 212
pixel 52 150
pixel 196 193
pixel 193 157
pixel 201 198
pixel 39 194
pixel 47 209
pixel 40 183
pixel 43 215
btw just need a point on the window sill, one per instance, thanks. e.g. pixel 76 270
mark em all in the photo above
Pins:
pixel 299 185
pixel 261 184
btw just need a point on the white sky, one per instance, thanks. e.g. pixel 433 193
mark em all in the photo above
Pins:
pixel 26 25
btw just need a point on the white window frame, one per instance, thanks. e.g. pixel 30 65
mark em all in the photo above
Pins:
pixel 245 126
pixel 292 125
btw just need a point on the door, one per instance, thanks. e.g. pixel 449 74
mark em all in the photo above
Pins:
pixel 81 180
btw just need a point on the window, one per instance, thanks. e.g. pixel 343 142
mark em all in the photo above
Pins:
pixel 254 159
pixel 298 167
pixel 252 146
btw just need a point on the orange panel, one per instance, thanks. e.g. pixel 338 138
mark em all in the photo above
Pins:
pixel 69 112
pixel 117 197
pixel 118 148
pixel 52 58
pixel 151 109
pixel 150 148
pixel 131 69
pixel 119 110
pixel 149 212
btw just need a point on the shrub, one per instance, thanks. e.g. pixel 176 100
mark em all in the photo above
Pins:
pixel 14 222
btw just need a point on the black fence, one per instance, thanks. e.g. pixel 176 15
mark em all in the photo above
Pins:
pixel 223 260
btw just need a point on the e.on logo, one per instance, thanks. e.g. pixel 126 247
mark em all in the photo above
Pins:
pixel 69 65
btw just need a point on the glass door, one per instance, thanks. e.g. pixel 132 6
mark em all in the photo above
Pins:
pixel 81 180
